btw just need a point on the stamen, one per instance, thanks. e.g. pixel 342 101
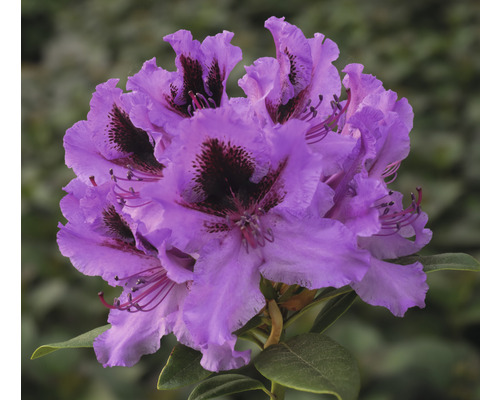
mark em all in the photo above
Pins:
pixel 306 106
pixel 113 177
pixel 203 100
pixel 391 170
pixel 152 287
pixel 141 176
pixel 212 102
pixel 319 131
pixel 199 101
pixel 252 232
pixel 269 236
pixel 124 195
pixel 392 223
pixel 313 110
pixel 196 103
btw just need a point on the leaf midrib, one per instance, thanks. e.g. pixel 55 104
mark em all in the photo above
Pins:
pixel 314 369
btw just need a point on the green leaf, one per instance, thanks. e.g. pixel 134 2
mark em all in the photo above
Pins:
pixel 326 294
pixel 183 368
pixel 267 288
pixel 223 385
pixel 253 323
pixel 84 340
pixel 311 363
pixel 445 261
pixel 331 292
pixel 332 311
pixel 292 289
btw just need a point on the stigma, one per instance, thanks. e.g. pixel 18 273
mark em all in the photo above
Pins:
pixel 252 231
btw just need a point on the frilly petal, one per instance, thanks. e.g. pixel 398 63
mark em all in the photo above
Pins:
pixel 313 253
pixel 224 296
pixel 134 334
pixel 396 287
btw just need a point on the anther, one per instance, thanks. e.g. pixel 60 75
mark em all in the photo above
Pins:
pixel 148 296
pixel 203 100
pixel 319 131
pixel 113 177
pixel 392 223
pixel 212 102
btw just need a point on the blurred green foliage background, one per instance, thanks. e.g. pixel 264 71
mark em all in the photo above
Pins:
pixel 427 51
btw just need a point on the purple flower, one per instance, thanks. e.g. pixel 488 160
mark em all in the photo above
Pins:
pixel 101 240
pixel 199 82
pixel 114 139
pixel 300 82
pixel 362 141
pixel 250 203
pixel 187 198
pixel 381 125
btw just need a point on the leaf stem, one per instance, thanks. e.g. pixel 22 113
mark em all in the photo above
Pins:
pixel 277 391
pixel 276 323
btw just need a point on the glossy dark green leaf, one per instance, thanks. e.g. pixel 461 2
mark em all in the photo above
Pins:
pixel 312 363
pixel 331 292
pixel 326 294
pixel 223 385
pixel 332 311
pixel 445 261
pixel 183 368
pixel 267 288
pixel 83 340
pixel 253 323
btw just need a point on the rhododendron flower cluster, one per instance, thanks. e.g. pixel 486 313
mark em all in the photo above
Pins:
pixel 186 197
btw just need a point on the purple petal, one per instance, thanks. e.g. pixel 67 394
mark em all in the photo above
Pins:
pixel 222 357
pixel 155 83
pixel 392 145
pixel 81 154
pixel 396 287
pixel 261 84
pixel 406 241
pixel 99 238
pixel 358 210
pixel 302 173
pixel 361 85
pixel 335 150
pixel 134 334
pixel 302 73
pixel 109 139
pixel 325 77
pixel 219 54
pixel 224 296
pixel 313 253
pixel 294 56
